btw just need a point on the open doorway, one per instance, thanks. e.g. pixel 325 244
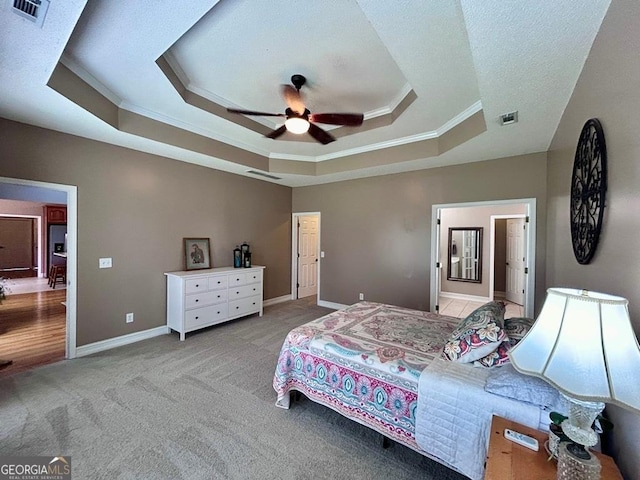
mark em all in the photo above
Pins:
pixel 481 215
pixel 28 190
pixel 305 264
pixel 507 256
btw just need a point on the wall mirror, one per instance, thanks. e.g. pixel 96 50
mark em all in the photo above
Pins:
pixel 465 254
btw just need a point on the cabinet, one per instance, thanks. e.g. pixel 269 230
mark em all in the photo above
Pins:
pixel 55 214
pixel 201 298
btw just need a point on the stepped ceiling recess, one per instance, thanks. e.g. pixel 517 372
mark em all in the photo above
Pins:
pixel 431 77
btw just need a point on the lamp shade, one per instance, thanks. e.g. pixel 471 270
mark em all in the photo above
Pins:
pixel 583 344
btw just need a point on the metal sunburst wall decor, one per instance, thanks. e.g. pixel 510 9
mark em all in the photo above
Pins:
pixel 588 190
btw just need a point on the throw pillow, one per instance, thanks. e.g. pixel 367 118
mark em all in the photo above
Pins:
pixel 508 382
pixel 517 327
pixel 477 335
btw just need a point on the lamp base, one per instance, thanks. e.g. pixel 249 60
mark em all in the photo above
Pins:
pixel 576 463
pixel 582 414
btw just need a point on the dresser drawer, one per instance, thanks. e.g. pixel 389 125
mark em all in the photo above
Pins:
pixel 202 316
pixel 237 279
pixel 254 277
pixel 244 306
pixel 205 298
pixel 195 285
pixel 244 291
pixel 216 283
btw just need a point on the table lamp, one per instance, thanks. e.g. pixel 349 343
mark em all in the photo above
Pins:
pixel 583 344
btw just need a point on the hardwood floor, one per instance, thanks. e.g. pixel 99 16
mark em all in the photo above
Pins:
pixel 32 330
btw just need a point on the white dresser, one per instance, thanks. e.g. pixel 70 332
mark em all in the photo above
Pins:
pixel 201 298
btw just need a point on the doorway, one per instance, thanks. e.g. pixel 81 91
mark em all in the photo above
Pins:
pixel 508 253
pixel 20 189
pixel 305 270
pixel 438 254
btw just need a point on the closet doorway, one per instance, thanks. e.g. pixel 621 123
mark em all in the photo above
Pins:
pixel 445 216
pixel 305 271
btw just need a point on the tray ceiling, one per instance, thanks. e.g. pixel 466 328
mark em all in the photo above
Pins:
pixel 431 77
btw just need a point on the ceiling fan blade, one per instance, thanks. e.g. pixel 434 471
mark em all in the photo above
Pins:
pixel 277 132
pixel 320 135
pixel 348 119
pixel 293 98
pixel 250 112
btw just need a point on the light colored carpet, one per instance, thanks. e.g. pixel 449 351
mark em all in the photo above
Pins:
pixel 198 409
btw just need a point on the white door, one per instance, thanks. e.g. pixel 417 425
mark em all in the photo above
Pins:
pixel 307 255
pixel 515 260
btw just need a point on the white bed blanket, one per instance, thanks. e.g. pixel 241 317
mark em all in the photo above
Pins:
pixel 453 415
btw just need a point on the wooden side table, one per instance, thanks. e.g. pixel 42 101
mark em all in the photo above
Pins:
pixel 509 461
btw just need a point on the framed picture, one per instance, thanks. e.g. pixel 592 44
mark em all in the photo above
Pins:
pixel 196 253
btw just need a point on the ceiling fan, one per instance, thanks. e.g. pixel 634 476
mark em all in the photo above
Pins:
pixel 298 117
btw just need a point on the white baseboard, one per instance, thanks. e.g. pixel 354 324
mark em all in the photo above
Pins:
pixel 110 343
pixel 335 306
pixel 273 301
pixel 462 296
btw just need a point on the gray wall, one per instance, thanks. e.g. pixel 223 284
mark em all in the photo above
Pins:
pixel 607 89
pixel 136 208
pixel 375 232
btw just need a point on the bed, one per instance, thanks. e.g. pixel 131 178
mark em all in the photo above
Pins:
pixel 382 366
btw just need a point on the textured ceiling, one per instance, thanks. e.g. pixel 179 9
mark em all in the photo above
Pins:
pixel 431 77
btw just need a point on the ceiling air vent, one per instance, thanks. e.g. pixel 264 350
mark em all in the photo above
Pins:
pixel 33 10
pixel 262 174
pixel 509 118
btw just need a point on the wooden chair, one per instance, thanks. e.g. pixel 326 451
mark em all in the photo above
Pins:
pixel 57 273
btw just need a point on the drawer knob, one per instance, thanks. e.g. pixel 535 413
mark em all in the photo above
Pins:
pixel 218 313
pixel 197 285
pixel 197 300
pixel 197 318
pixel 237 308
pixel 218 296
pixel 254 303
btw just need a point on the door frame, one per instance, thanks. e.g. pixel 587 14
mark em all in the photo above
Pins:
pixel 40 235
pixel 492 243
pixel 530 280
pixel 294 253
pixel 72 254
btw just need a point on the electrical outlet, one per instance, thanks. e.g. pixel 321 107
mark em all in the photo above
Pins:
pixel 362 296
pixel 129 317
pixel 104 263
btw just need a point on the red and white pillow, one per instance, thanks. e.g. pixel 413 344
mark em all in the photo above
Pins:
pixel 478 335
pixel 516 328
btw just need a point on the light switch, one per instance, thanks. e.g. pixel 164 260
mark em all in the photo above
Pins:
pixel 105 263
pixel 321 254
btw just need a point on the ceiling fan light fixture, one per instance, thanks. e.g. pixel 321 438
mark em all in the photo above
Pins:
pixel 297 125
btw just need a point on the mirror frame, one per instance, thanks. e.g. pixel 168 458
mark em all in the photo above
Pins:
pixel 478 231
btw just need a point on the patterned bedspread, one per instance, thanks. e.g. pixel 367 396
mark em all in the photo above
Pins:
pixel 364 362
